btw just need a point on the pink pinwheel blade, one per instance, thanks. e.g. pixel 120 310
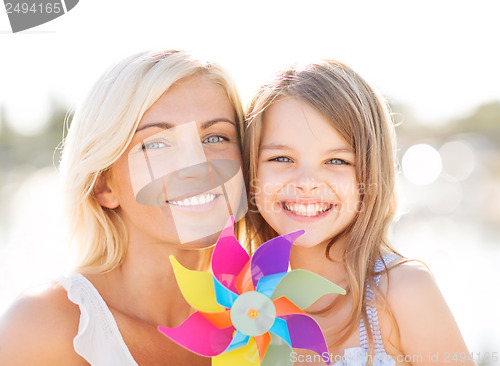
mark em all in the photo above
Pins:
pixel 200 336
pixel 306 333
pixel 229 257
pixel 273 256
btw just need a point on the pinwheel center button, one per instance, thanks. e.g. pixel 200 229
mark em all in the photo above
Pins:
pixel 253 313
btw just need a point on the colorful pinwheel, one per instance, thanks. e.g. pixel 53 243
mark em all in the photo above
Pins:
pixel 250 310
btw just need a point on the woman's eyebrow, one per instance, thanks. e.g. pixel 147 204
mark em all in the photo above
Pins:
pixel 166 125
pixel 214 121
pixel 162 125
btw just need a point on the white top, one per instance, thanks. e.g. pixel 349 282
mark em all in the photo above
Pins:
pixel 99 340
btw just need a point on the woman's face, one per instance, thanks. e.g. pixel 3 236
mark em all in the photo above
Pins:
pixel 180 177
pixel 306 177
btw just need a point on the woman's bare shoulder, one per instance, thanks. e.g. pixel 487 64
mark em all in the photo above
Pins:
pixel 39 327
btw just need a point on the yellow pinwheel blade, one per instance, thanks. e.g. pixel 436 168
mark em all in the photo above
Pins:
pixel 244 356
pixel 196 287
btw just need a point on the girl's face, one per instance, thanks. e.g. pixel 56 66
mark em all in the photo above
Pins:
pixel 305 177
pixel 180 177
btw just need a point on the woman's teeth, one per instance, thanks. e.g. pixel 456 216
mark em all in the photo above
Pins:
pixel 312 209
pixel 195 200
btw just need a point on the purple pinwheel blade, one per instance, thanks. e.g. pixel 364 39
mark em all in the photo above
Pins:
pixel 306 333
pixel 200 336
pixel 278 353
pixel 229 257
pixel 272 256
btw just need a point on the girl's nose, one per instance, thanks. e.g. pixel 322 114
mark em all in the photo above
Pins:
pixel 306 182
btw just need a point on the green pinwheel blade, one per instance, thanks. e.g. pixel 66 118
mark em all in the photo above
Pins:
pixel 278 353
pixel 303 288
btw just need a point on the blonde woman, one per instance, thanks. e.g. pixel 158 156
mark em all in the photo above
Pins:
pixel 150 168
pixel 319 155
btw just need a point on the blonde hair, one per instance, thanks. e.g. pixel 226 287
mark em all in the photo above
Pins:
pixel 362 118
pixel 100 132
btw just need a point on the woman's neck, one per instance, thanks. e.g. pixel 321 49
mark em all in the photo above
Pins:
pixel 144 285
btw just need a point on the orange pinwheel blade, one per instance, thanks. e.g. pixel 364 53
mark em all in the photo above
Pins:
pixel 244 281
pixel 263 341
pixel 285 307
pixel 220 320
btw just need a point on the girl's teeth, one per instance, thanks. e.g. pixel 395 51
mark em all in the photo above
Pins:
pixel 307 210
pixel 194 201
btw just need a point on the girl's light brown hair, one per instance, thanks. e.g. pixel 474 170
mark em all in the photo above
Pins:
pixel 362 118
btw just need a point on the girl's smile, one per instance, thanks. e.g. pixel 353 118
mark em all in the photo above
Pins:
pixel 305 177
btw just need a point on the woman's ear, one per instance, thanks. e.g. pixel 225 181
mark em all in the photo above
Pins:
pixel 104 194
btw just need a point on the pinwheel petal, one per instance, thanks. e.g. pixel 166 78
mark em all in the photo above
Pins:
pixel 303 288
pixel 228 257
pixel 196 287
pixel 263 341
pixel 267 284
pixel 220 320
pixel 278 353
pixel 272 256
pixel 284 306
pixel 305 333
pixel 239 340
pixel 200 336
pixel 244 281
pixel 223 295
pixel 281 329
pixel 244 356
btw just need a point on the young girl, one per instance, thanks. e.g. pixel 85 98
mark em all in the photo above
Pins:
pixel 319 155
pixel 150 168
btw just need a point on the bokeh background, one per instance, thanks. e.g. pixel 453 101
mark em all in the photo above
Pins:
pixel 435 61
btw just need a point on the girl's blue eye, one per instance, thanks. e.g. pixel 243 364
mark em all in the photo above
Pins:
pixel 214 139
pixel 282 159
pixel 337 162
pixel 153 145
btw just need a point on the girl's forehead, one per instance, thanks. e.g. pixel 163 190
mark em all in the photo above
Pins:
pixel 295 120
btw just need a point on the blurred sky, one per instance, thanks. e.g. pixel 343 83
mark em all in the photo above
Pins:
pixel 438 57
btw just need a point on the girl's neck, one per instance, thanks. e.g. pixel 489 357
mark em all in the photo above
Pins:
pixel 314 259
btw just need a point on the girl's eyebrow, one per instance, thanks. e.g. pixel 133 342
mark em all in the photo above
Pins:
pixel 342 149
pixel 275 147
pixel 166 125
pixel 285 147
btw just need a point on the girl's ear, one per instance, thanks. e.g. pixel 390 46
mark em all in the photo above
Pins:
pixel 104 194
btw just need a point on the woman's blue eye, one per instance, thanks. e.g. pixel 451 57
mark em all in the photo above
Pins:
pixel 214 139
pixel 154 145
pixel 337 162
pixel 282 159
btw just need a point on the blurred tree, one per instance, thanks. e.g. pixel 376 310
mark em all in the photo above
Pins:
pixel 38 150
pixel 484 120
